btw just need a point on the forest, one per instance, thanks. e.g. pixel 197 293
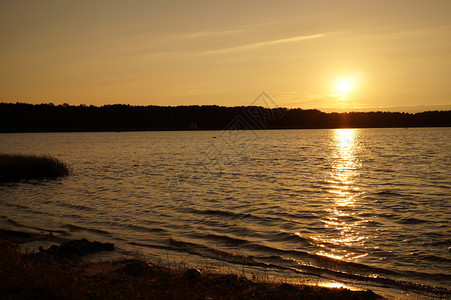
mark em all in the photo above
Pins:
pixel 23 117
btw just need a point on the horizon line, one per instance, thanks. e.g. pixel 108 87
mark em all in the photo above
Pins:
pixel 326 110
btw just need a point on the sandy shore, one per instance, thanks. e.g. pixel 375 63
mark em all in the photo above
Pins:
pixel 61 272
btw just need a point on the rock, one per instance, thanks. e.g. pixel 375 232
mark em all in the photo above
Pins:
pixel 78 248
pixel 192 275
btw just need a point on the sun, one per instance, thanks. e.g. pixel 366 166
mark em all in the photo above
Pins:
pixel 344 86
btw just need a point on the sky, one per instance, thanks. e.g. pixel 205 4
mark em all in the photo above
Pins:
pixel 328 55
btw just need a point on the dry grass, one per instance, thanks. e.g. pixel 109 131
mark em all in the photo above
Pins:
pixel 18 167
pixel 44 276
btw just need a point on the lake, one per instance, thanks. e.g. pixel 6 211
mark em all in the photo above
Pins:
pixel 361 207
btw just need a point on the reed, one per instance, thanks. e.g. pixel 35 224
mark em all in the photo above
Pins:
pixel 15 167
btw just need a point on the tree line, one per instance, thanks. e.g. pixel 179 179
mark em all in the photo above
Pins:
pixel 23 117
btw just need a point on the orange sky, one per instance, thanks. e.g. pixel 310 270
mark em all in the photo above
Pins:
pixel 396 55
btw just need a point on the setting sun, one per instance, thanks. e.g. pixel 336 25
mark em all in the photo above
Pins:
pixel 344 86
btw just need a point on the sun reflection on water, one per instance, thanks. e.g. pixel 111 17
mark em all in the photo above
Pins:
pixel 343 237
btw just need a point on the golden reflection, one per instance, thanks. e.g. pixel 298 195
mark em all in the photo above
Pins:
pixel 337 285
pixel 342 221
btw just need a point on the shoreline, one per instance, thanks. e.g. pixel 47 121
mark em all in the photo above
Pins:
pixel 60 271
pixel 50 117
pixel 119 130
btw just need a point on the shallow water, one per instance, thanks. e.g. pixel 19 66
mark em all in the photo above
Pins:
pixel 368 207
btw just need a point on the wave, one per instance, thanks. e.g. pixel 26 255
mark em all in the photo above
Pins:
pixel 19 225
pixel 135 227
pixel 445 243
pixel 388 193
pixel 225 239
pixel 277 216
pixel 290 237
pixel 144 229
pixel 72 227
pixel 412 220
pixel 226 213
pixel 327 268
pixel 28 209
pixel 74 206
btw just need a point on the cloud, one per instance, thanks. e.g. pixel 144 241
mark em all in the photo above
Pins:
pixel 201 34
pixel 266 43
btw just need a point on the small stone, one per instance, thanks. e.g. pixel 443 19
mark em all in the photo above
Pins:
pixel 192 275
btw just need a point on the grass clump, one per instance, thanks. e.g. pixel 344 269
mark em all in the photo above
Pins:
pixel 16 167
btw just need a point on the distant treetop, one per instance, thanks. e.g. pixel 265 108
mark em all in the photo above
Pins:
pixel 22 117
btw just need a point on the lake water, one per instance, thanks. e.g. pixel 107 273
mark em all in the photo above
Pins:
pixel 364 207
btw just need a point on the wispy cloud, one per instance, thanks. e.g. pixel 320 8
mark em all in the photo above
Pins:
pixel 201 34
pixel 265 43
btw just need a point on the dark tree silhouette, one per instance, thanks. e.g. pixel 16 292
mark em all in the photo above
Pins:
pixel 22 117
